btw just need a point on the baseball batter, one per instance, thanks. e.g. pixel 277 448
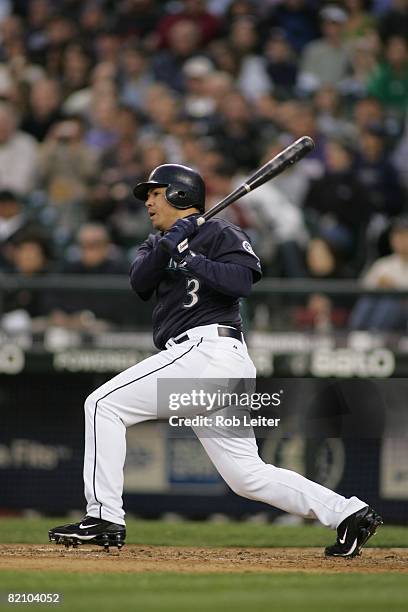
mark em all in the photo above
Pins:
pixel 198 276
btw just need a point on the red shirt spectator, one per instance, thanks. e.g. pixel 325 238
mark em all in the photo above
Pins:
pixel 194 10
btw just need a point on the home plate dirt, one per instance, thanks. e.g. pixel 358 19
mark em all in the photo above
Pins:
pixel 137 559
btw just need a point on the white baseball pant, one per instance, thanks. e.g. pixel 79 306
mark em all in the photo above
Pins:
pixel 130 398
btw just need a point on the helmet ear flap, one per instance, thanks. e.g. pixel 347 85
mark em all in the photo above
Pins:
pixel 178 197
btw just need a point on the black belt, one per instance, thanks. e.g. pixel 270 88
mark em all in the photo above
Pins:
pixel 224 332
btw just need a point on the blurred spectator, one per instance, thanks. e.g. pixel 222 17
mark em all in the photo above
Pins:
pixel 324 261
pixel 112 201
pixel 338 200
pixel 92 19
pixel 252 78
pixel 325 258
pixel 299 21
pixel 102 84
pixel 389 82
pixel 38 14
pixel 135 78
pixel 18 154
pixel 44 108
pixel 20 68
pixel 281 63
pixel 163 115
pixel 198 104
pixel 394 21
pixel 107 47
pixel 60 31
pixel 93 254
pixel 233 9
pixel 224 57
pixel 266 109
pixel 218 84
pixel 14 221
pixel 67 168
pixel 391 272
pixel 375 171
pixel 76 68
pixel 102 133
pixel 119 164
pixel 367 111
pixel 325 60
pixel 330 117
pixel 31 256
pixel 234 132
pixel 192 11
pixel 359 20
pixel 184 39
pixel 11 29
pixel 137 19
pixel 363 61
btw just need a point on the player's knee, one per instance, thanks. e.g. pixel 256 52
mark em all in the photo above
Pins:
pixel 243 484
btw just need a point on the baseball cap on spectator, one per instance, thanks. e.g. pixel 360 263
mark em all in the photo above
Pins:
pixel 197 67
pixel 333 13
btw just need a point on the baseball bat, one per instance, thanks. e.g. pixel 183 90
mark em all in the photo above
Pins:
pixel 289 156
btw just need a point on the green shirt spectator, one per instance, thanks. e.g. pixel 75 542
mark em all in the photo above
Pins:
pixel 389 81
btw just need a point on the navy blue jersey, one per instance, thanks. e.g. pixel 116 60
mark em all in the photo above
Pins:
pixel 207 290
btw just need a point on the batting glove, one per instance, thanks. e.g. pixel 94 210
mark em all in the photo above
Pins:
pixel 175 240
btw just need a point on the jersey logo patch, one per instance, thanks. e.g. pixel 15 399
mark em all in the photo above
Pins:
pixel 246 245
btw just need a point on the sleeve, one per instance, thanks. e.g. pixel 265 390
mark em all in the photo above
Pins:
pixel 227 278
pixel 148 267
pixel 233 246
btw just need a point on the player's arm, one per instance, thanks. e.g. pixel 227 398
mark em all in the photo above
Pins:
pixel 229 278
pixel 230 268
pixel 148 268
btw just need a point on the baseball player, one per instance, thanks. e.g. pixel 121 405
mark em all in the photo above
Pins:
pixel 198 276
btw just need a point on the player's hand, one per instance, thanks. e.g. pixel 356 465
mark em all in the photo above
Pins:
pixel 175 240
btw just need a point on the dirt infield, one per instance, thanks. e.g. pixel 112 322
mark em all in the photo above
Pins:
pixel 139 559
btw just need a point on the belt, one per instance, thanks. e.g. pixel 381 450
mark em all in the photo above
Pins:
pixel 223 332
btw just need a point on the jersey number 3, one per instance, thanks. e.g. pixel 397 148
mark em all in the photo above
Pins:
pixel 192 287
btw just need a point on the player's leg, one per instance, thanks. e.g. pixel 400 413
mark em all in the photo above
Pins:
pixel 238 462
pixel 127 399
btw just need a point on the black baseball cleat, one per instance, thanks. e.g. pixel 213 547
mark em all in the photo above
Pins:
pixel 353 533
pixel 89 531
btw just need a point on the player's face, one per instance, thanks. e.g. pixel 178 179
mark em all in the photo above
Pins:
pixel 161 213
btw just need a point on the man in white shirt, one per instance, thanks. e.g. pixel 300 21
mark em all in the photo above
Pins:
pixel 18 154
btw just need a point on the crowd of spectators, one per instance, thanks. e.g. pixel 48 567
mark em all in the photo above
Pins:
pixel 95 93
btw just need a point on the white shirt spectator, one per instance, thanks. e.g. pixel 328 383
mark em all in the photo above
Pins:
pixel 18 163
pixel 393 267
pixel 253 80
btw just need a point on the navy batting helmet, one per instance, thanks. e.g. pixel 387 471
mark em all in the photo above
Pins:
pixel 185 187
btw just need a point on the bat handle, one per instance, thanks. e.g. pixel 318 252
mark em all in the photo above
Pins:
pixel 200 221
